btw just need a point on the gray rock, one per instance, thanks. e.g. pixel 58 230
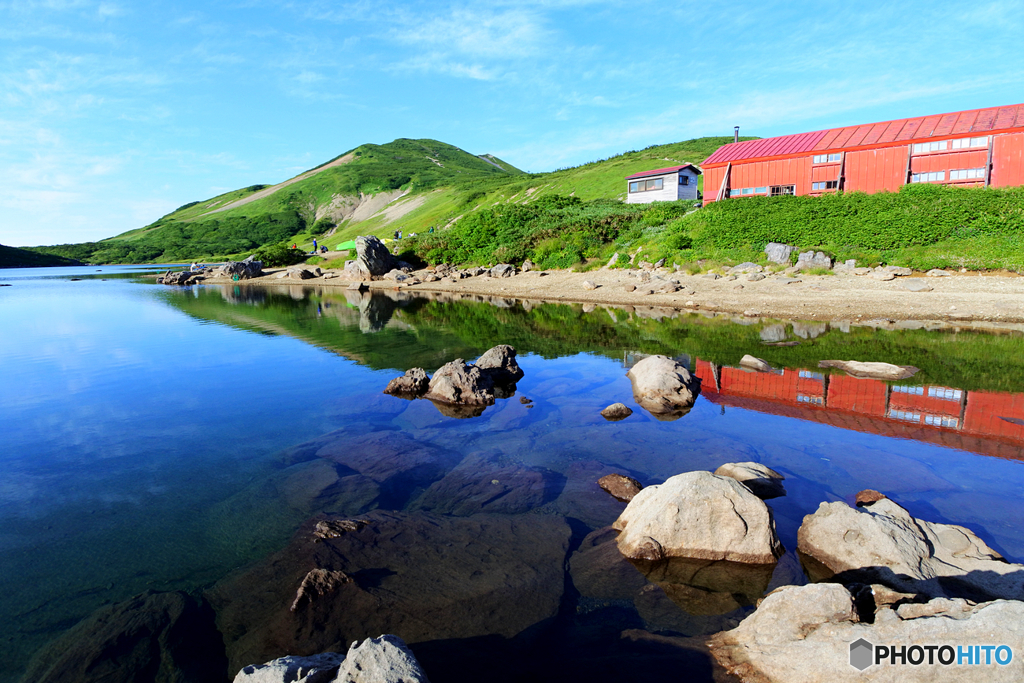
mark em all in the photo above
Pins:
pixel 787 280
pixel 763 481
pixel 245 269
pixel 803 634
pixel 629 288
pixel 847 267
pixel 778 253
pixel 663 387
pixel 616 411
pixel 528 265
pixel 373 256
pixel 613 260
pixel 863 271
pixel 898 271
pixel 870 370
pixel 589 284
pixel 646 265
pixel 499 362
pixel 321 668
pixel 459 383
pixel 935 272
pixel 809 330
pixel 883 275
pixel 701 516
pixel 396 275
pixel 299 273
pixel 883 543
pixel 356 270
pixel 757 364
pixel 414 382
pixel 386 659
pixel 711 276
pixel 917 285
pixel 502 270
pixel 812 259
pixel 620 486
pixel 755 277
pixel 746 267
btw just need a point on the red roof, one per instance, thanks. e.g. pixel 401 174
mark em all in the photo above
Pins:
pixel 662 171
pixel 887 132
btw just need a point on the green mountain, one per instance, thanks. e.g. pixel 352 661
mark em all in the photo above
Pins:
pixel 408 185
pixel 12 257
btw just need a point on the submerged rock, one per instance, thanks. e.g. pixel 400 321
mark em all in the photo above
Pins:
pixel 763 481
pixel 663 387
pixel 620 486
pixel 870 370
pixel 883 543
pixel 814 633
pixel 616 411
pixel 702 516
pixel 151 637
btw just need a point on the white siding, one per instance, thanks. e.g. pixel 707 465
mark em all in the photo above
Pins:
pixel 670 192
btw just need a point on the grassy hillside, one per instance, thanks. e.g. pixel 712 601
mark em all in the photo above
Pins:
pixel 410 185
pixel 12 257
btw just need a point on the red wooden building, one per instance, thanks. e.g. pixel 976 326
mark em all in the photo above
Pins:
pixel 982 147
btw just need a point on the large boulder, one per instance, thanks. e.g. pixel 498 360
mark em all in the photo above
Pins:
pixel 870 370
pixel 246 269
pixel 381 660
pixel 663 387
pixel 701 516
pixel 763 481
pixel 460 383
pixel 883 543
pixel 779 253
pixel 502 270
pixel 355 270
pixel 813 259
pixel 814 633
pixel 321 668
pixel 158 637
pixel 374 255
pixel 500 363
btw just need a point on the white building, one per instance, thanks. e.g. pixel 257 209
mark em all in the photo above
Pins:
pixel 663 185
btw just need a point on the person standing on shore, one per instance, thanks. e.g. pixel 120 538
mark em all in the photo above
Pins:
pixel 314 245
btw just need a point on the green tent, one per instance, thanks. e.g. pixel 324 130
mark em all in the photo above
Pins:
pixel 351 244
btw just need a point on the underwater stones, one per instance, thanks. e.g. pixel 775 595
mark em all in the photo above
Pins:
pixel 803 634
pixel 757 364
pixel 663 387
pixel 429 577
pixel 701 516
pixel 870 370
pixel 150 637
pixel 883 543
pixel 317 583
pixel 621 487
pixel 708 587
pixel 616 412
pixel 413 383
pixel 763 481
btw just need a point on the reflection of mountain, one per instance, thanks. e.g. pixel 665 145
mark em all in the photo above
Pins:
pixel 991 423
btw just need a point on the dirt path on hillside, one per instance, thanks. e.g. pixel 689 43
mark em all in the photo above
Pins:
pixel 993 301
pixel 266 192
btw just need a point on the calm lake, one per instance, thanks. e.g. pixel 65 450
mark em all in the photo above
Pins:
pixel 187 439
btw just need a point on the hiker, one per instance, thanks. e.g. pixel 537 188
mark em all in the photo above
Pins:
pixel 294 246
pixel 431 229
pixel 314 246
pixel 398 235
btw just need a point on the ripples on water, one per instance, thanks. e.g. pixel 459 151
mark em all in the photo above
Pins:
pixel 159 439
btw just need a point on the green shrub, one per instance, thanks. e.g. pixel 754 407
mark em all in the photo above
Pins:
pixel 278 255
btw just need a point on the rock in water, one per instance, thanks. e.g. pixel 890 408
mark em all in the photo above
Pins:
pixel 615 412
pixel 500 363
pixel 374 255
pixel 663 387
pixel 151 637
pixel 868 496
pixel 763 481
pixel 381 660
pixel 460 383
pixel 883 543
pixel 873 370
pixel 814 633
pixel 413 383
pixel 620 486
pixel 757 364
pixel 701 516
pixel 321 668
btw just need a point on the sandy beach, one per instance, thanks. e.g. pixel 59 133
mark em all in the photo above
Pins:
pixel 992 298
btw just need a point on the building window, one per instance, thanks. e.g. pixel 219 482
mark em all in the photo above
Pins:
pixel 901 389
pixel 684 180
pixel 968 143
pixel 928 177
pixel 967 174
pixel 827 158
pixel 905 415
pixel 647 185
pixel 825 185
pixel 925 147
pixel 779 190
pixel 944 393
pixel 813 400
pixel 808 374
pixel 941 421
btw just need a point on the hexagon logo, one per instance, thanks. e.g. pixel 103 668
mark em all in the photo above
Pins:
pixel 861 654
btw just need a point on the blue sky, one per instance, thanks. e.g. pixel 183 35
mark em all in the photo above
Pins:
pixel 114 113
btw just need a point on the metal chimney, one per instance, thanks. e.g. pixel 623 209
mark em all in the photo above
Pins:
pixel 736 134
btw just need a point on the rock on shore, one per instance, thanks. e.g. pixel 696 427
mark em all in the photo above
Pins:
pixel 701 516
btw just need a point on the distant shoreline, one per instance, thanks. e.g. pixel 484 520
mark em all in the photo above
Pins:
pixel 995 299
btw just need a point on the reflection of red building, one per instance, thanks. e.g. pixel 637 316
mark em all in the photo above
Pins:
pixel 978 421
